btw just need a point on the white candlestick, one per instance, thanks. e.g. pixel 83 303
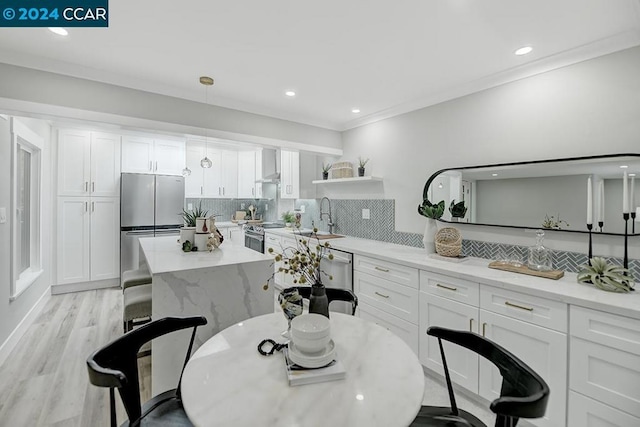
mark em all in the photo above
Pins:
pixel 601 210
pixel 589 202
pixel 632 191
pixel 625 194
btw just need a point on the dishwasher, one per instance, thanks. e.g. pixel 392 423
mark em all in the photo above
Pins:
pixel 341 269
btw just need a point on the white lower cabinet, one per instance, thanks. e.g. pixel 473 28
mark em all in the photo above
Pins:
pixel 388 295
pixel 605 366
pixel 584 411
pixel 405 330
pixel 518 322
pixel 88 239
pixel 544 350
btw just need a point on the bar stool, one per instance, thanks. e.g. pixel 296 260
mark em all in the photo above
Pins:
pixel 136 289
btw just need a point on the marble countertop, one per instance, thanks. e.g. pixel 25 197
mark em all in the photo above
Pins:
pixel 566 289
pixel 164 255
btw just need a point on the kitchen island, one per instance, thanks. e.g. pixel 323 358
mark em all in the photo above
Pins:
pixel 225 286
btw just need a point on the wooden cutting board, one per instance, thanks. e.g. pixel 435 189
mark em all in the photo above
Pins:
pixel 553 274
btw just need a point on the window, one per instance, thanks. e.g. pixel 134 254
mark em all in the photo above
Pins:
pixel 26 194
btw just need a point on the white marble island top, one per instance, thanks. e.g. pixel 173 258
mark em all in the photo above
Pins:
pixel 164 255
pixel 566 290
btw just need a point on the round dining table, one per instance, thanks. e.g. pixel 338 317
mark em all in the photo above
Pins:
pixel 228 383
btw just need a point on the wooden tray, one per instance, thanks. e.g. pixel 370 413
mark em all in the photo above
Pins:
pixel 247 221
pixel 553 274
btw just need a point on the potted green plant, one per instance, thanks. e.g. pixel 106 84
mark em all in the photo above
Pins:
pixel 361 164
pixel 288 217
pixel 457 210
pixel 188 231
pixel 432 212
pixel 325 170
pixel 606 276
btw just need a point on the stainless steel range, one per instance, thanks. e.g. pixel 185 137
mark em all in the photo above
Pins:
pixel 254 235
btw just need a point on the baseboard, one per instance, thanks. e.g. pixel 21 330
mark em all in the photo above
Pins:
pixel 12 340
pixel 84 286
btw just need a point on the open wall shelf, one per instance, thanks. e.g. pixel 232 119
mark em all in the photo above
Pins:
pixel 343 180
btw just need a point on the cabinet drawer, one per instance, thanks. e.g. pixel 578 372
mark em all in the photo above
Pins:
pixel 605 328
pixel 399 300
pixel 387 270
pixel 584 411
pixel 449 287
pixel 607 374
pixel 539 311
pixel 405 330
pixel 273 241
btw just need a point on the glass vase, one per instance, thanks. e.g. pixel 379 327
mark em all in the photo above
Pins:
pixel 539 256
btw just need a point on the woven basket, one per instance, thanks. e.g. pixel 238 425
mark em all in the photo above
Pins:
pixel 448 242
pixel 342 170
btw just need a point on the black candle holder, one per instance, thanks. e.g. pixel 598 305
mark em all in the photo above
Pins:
pixel 601 225
pixel 633 222
pixel 590 227
pixel 625 216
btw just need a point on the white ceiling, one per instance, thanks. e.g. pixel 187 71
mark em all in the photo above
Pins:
pixel 384 57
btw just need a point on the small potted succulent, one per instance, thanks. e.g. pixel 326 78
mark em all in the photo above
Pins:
pixel 457 210
pixel 289 218
pixel 606 276
pixel 188 231
pixel 326 167
pixel 361 164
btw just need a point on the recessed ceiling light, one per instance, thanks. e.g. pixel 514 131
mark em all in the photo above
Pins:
pixel 290 93
pixel 494 174
pixel 59 31
pixel 355 110
pixel 632 174
pixel 523 50
pixel 624 167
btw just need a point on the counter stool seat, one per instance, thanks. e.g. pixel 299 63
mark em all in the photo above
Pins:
pixel 137 277
pixel 136 306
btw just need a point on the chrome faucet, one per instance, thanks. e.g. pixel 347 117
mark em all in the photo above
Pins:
pixel 328 214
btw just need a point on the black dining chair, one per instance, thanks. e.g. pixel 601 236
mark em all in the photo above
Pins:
pixel 333 294
pixel 524 394
pixel 116 366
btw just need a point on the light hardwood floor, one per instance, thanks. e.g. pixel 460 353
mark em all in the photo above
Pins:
pixel 44 381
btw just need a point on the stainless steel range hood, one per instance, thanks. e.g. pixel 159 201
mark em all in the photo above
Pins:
pixel 270 166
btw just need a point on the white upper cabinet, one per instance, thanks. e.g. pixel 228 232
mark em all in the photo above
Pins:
pixel 88 164
pixel 249 170
pixel 152 156
pixel 218 181
pixel 289 174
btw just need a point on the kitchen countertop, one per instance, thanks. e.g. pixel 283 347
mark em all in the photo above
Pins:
pixel 566 289
pixel 164 255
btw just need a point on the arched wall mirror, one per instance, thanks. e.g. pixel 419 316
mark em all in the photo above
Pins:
pixel 550 194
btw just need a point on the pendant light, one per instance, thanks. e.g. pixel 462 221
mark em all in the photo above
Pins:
pixel 186 171
pixel 206 162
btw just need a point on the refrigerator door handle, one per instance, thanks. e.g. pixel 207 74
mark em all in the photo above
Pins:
pixel 148 232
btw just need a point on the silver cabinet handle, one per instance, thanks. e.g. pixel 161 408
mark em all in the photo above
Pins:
pixel 381 295
pixel 93 206
pixel 471 325
pixel 150 166
pixel 381 269
pixel 86 186
pixel 253 191
pixel 484 329
pixel 156 165
pixel 451 288
pixel 201 190
pixel 86 206
pixel 223 191
pixel 521 307
pixel 93 187
pixel 219 191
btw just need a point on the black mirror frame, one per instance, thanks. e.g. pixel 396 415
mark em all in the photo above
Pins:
pixel 432 178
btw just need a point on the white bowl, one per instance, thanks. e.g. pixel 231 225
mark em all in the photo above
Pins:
pixel 317 360
pixel 310 332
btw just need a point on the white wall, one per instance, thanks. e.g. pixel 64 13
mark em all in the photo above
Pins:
pixel 584 109
pixel 65 96
pixel 12 312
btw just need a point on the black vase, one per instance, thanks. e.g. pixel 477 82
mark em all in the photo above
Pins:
pixel 325 175
pixel 318 301
pixel 361 171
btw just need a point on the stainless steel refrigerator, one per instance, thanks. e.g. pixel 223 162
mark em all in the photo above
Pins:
pixel 150 205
